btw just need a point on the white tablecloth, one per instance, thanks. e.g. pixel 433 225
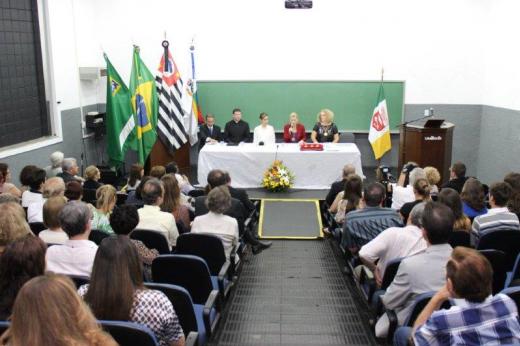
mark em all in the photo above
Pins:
pixel 247 162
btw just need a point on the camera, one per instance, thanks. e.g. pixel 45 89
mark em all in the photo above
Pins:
pixel 385 177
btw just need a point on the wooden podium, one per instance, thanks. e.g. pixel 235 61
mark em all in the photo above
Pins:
pixel 159 156
pixel 427 147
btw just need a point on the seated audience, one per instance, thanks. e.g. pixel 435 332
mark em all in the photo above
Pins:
pixel 5 182
pixel 184 183
pixel 349 199
pixel 51 210
pixel 8 198
pixel 240 194
pixel 134 196
pixel 76 256
pixel 12 224
pixel 237 130
pixel 123 221
pixel 209 132
pixel 363 225
pixel 34 194
pixel 70 170
pixel 394 242
pixel 293 132
pixel 105 202
pixel 22 260
pixel 134 179
pixel 215 222
pixel 157 172
pixel 476 317
pixel 457 177
pixel 473 198
pixel 54 169
pixel 433 176
pixel 26 177
pixel 339 186
pixel 57 316
pixel 116 292
pixel 237 211
pixel 73 191
pixel 150 215
pixel 52 187
pixel 421 191
pixel 497 218
pixel 325 130
pixel 422 272
pixel 402 192
pixel 513 204
pixel 263 134
pixel 452 200
pixel 172 201
pixel 92 176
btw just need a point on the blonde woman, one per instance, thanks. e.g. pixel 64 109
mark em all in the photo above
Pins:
pixel 12 224
pixel 105 203
pixel 56 315
pixel 293 132
pixel 433 176
pixel 325 130
pixel 92 175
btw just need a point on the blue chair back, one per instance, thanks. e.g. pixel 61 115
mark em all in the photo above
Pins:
pixel 206 246
pixel 391 269
pixel 129 333
pixel 507 240
pixel 460 238
pixel 3 326
pixel 498 263
pixel 152 240
pixel 419 303
pixel 190 272
pixel 513 293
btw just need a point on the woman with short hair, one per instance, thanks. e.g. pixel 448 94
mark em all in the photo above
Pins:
pixel 92 176
pixel 325 130
pixel 22 260
pixel 293 132
pixel 215 222
pixel 116 292
pixel 12 224
pixel 73 190
pixel 51 209
pixel 473 198
pixel 263 134
pixel 48 311
pixel 105 203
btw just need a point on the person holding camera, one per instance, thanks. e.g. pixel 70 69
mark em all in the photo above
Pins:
pixel 293 132
pixel 403 191
pixel 263 134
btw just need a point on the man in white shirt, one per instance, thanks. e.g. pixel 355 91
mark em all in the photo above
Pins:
pixel 394 242
pixel 402 194
pixel 76 256
pixel 34 194
pixel 150 215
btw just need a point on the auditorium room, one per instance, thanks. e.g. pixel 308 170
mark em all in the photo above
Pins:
pixel 243 173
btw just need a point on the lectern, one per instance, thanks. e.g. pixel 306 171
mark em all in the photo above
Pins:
pixel 160 156
pixel 427 147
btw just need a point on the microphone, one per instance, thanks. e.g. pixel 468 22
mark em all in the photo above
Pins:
pixel 276 152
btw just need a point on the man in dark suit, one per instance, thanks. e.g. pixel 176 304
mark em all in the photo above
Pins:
pixel 209 132
pixel 241 195
pixel 237 211
pixel 339 186
pixel 457 177
pixel 70 170
pixel 237 130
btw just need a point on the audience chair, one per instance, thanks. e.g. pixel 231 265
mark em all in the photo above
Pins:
pixel 513 293
pixel 196 193
pixel 37 227
pixel 513 277
pixel 374 296
pixel 195 319
pixel 211 250
pixel 89 196
pixel 121 198
pixel 507 240
pixel 152 240
pixel 79 280
pixel 108 176
pixel 460 238
pixel 3 326
pixel 497 259
pixel 181 228
pixel 418 305
pixel 129 333
pixel 97 236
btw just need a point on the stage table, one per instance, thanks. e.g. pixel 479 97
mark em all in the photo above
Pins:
pixel 247 162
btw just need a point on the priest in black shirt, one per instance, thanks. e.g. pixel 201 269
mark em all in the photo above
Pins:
pixel 237 130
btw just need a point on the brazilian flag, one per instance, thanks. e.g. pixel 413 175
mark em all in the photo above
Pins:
pixel 144 104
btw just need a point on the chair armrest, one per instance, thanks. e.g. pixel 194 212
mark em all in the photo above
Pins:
pixel 392 325
pixel 232 259
pixel 224 271
pixel 192 339
pixel 376 303
pixel 212 302
pixel 366 279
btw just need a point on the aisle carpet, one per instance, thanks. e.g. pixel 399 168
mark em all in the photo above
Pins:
pixel 290 219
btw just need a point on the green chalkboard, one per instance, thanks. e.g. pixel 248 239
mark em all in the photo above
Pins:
pixel 351 101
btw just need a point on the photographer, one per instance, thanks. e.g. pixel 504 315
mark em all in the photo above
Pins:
pixel 403 190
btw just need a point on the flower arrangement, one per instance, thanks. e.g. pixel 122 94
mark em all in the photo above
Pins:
pixel 277 177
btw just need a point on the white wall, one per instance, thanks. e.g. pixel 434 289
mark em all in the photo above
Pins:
pixel 435 47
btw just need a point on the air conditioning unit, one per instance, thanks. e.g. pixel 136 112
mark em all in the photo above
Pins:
pixel 92 73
